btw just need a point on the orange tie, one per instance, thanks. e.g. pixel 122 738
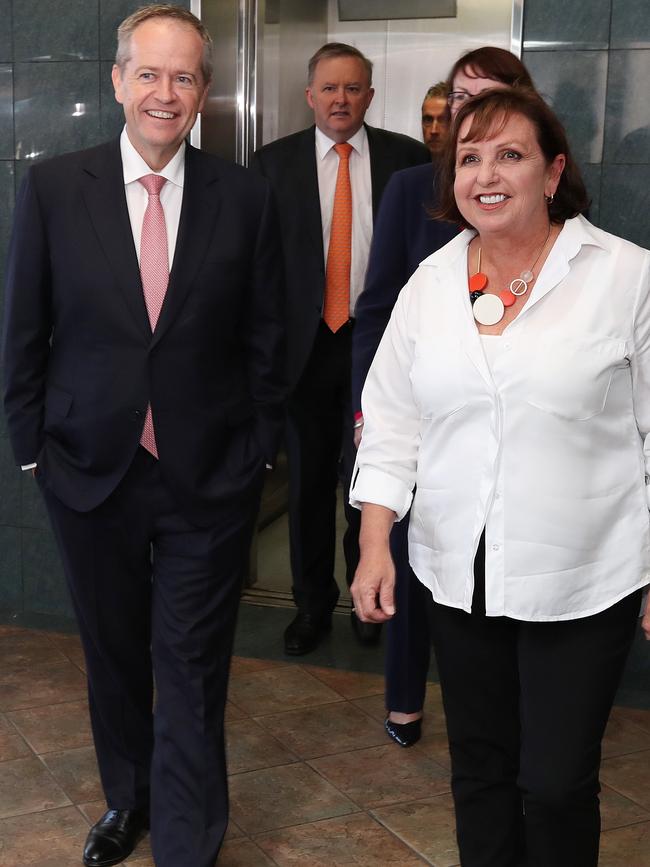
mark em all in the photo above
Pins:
pixel 336 310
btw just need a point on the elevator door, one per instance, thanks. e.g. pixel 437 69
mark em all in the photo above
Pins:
pixel 261 53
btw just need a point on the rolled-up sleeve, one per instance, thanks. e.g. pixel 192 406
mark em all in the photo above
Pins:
pixel 385 469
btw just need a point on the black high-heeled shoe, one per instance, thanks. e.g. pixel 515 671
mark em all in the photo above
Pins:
pixel 404 734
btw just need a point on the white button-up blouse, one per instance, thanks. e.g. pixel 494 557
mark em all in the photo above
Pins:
pixel 548 448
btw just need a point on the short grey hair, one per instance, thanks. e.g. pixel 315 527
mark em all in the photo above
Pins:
pixel 163 10
pixel 337 49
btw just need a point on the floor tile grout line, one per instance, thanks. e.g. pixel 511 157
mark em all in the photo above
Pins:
pixel 645 821
pixel 334 786
pixel 333 817
pixel 283 746
pixel 254 714
pixel 361 812
pixel 18 732
pixel 394 834
pixel 629 752
pixel 625 795
pixel 398 836
pixel 54 780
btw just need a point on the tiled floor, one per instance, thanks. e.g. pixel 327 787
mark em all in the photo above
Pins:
pixel 314 780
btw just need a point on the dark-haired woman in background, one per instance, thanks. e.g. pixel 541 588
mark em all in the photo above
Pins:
pixel 404 235
pixel 512 391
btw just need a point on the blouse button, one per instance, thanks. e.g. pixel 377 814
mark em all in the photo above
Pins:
pixel 495 547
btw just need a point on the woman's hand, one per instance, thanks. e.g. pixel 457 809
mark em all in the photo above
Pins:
pixel 645 622
pixel 373 588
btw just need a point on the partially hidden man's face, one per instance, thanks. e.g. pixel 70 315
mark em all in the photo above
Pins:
pixel 161 87
pixel 435 123
pixel 339 96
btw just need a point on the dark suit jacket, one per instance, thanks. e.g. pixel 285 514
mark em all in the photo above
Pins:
pixel 290 164
pixel 404 235
pixel 81 363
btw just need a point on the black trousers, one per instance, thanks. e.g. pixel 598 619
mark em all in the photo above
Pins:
pixel 408 632
pixel 527 705
pixel 320 452
pixel 156 597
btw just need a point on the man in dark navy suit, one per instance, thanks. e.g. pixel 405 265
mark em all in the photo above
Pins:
pixel 304 171
pixel 143 352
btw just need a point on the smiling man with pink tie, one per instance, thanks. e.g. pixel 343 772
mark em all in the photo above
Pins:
pixel 144 385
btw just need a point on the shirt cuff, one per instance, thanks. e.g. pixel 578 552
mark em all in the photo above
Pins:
pixel 374 486
pixel 28 466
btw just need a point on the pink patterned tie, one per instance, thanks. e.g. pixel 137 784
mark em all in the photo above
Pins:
pixel 154 271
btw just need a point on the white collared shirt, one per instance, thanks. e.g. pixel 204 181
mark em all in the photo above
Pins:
pixel 327 162
pixel 547 448
pixel 171 195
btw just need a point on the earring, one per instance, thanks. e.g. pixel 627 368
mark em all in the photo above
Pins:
pixel 549 199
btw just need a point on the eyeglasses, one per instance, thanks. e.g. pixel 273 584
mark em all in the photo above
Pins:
pixel 458 97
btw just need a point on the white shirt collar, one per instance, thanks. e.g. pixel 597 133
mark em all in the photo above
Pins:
pixel 324 144
pixel 576 233
pixel 135 167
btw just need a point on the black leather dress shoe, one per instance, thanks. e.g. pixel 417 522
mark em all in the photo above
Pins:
pixel 404 734
pixel 305 633
pixel 367 633
pixel 114 837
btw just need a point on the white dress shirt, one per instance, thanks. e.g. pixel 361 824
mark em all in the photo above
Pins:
pixel 548 448
pixel 327 162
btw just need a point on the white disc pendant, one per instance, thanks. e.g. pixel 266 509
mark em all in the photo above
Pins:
pixel 488 309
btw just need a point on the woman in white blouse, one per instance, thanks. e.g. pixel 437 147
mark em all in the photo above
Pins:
pixel 510 399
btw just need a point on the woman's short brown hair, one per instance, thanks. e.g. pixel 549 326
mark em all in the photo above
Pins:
pixel 491 62
pixel 490 111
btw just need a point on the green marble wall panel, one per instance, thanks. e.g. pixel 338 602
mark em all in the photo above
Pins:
pixel 56 30
pixel 56 108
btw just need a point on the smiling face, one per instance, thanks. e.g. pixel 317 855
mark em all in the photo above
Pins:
pixel 435 123
pixel 161 88
pixel 502 179
pixel 339 95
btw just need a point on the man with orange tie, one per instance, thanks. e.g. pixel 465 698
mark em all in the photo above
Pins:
pixel 143 353
pixel 328 181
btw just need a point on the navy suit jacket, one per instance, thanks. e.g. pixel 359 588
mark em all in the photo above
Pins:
pixel 404 235
pixel 290 164
pixel 81 363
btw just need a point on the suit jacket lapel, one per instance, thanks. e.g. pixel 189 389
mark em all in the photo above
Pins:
pixel 201 205
pixel 103 193
pixel 381 167
pixel 307 188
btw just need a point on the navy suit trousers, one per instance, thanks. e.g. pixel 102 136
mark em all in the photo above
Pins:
pixel 156 600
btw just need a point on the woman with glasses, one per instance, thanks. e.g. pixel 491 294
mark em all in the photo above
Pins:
pixel 404 235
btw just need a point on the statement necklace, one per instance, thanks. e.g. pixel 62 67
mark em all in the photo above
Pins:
pixel 488 309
